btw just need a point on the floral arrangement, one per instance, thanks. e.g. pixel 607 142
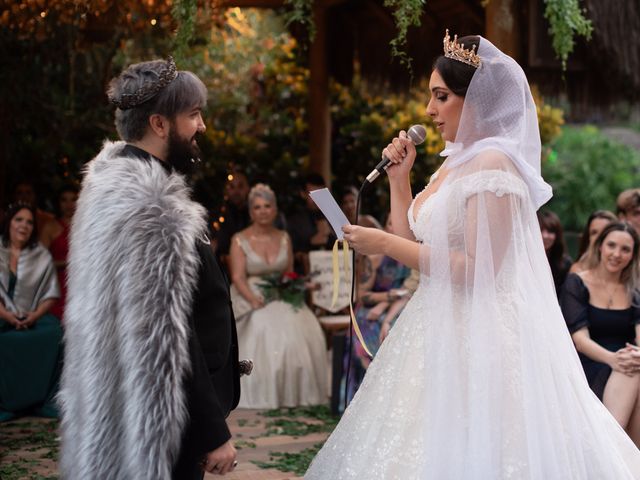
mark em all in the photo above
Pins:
pixel 288 287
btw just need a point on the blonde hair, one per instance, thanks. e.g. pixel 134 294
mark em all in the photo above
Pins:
pixel 628 200
pixel 262 190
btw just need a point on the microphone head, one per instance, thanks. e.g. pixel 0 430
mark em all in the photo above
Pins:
pixel 417 134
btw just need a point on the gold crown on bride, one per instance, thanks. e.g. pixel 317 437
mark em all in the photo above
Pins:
pixel 456 51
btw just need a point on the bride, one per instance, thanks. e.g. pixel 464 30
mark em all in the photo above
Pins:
pixel 478 379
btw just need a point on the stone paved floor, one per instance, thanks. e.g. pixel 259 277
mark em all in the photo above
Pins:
pixel 248 428
pixel 253 425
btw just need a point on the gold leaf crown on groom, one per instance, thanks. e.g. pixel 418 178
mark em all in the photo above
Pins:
pixel 456 51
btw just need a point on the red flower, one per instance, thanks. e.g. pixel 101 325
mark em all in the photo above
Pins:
pixel 291 276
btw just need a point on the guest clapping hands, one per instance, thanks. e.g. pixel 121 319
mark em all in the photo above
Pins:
pixel 601 306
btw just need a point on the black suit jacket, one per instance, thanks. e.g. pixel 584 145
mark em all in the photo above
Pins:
pixel 213 387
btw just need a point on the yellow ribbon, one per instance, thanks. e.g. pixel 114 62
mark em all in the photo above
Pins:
pixel 336 285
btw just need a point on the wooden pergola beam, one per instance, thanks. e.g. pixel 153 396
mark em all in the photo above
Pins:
pixel 502 27
pixel 273 3
pixel 252 3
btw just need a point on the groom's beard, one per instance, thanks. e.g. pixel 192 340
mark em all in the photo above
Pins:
pixel 183 154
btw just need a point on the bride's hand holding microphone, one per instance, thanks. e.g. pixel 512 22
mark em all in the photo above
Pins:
pixel 401 153
pixel 399 156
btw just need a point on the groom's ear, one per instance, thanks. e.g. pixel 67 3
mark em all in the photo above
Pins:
pixel 159 125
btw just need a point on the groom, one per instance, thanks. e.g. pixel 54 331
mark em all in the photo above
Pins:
pixel 151 360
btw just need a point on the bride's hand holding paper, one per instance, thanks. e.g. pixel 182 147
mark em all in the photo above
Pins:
pixel 330 209
pixel 365 240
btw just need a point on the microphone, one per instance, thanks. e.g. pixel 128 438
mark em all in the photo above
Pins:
pixel 417 134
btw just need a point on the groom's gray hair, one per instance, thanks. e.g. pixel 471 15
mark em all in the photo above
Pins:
pixel 182 94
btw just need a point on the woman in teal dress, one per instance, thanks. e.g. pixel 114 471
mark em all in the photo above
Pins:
pixel 30 337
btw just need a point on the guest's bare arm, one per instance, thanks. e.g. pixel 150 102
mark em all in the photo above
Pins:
pixel 238 264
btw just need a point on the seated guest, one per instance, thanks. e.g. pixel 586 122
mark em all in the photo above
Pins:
pixel 595 224
pixel 30 337
pixel 380 301
pixel 601 306
pixel 554 246
pixel 280 335
pixel 25 192
pixel 628 207
pixel 235 213
pixel 308 228
pixel 55 237
pixel 348 204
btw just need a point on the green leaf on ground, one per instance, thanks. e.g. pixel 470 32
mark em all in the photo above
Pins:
pixel 297 463
pixel 240 444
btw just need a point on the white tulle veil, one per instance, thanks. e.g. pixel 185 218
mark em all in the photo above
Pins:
pixel 506 396
pixel 499 112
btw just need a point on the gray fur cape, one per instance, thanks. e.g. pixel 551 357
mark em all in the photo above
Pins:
pixel 133 268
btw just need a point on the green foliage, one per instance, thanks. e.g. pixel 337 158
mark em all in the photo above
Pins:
pixel 55 114
pixel 550 119
pixel 184 13
pixel 317 412
pixel 295 422
pixel 294 428
pixel 240 444
pixel 406 13
pixel 587 171
pixel 257 118
pixel 365 118
pixel 566 20
pixel 39 438
pixel 301 12
pixel 565 17
pixel 297 463
pixel 290 288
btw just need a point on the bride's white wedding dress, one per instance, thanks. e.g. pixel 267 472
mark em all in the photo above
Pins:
pixel 478 379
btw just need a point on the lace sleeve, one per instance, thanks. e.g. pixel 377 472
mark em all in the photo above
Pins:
pixel 574 301
pixel 478 221
pixel 498 182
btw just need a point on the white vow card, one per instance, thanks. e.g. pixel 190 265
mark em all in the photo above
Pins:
pixel 331 210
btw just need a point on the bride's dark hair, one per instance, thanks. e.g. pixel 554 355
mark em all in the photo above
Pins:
pixel 457 75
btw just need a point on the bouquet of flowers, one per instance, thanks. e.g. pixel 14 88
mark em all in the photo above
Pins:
pixel 288 287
